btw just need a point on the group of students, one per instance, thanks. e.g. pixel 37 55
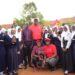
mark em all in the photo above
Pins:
pixel 37 47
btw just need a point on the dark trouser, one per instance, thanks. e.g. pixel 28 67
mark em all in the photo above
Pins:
pixel 67 61
pixel 12 59
pixel 73 54
pixel 67 58
pixel 20 56
pixel 53 61
pixel 36 62
pixel 6 55
pixel 27 55
pixel 34 43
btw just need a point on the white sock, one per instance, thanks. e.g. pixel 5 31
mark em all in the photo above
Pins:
pixel 66 71
pixel 1 73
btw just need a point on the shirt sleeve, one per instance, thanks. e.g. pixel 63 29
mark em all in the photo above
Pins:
pixel 61 41
pixel 22 35
pixel 33 51
pixel 69 41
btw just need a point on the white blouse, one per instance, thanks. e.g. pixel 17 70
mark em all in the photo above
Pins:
pixel 66 36
pixel 73 33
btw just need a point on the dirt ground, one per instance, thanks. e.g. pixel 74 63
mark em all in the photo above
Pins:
pixel 30 71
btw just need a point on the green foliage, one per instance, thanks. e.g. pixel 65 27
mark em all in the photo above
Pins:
pixel 19 22
pixel 29 12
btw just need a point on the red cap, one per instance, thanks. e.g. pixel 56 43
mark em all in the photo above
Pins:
pixel 39 40
pixel 47 39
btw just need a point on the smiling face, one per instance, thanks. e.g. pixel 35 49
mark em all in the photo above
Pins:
pixel 65 29
pixel 48 42
pixel 38 44
pixel 35 21
pixel 19 29
pixel 73 28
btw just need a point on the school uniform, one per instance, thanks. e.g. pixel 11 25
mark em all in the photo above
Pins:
pixel 66 55
pixel 57 42
pixel 2 53
pixel 45 35
pixel 7 42
pixel 12 57
pixel 73 49
pixel 20 51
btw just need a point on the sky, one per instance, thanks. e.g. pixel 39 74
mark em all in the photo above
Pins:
pixel 51 9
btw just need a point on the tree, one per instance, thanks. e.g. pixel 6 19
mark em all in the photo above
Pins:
pixel 29 12
pixel 45 23
pixel 19 22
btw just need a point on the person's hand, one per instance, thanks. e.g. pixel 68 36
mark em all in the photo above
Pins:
pixel 66 49
pixel 24 45
pixel 35 55
pixel 18 52
pixel 63 49
pixel 21 46
pixel 44 61
pixel 47 59
pixel 1 40
pixel 43 64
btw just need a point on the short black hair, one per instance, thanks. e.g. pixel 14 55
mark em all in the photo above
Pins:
pixel 35 20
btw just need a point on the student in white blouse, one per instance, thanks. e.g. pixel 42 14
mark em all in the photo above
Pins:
pixel 20 50
pixel 73 46
pixel 66 51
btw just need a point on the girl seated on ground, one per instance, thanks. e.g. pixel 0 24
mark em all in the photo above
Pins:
pixel 51 54
pixel 37 55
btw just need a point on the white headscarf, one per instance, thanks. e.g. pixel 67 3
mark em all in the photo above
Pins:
pixel 67 36
pixel 17 27
pixel 2 30
pixel 9 32
pixel 18 34
pixel 68 29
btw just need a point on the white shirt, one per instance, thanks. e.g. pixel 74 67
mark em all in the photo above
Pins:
pixel 46 35
pixel 54 34
pixel 73 33
pixel 66 36
pixel 9 33
pixel 18 35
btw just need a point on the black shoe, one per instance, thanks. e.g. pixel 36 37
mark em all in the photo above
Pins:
pixel 53 68
pixel 10 74
pixel 65 74
pixel 5 72
pixel 25 67
pixel 30 65
pixel 15 73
